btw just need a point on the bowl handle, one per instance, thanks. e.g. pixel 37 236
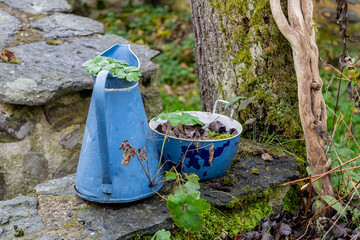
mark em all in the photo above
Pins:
pixel 227 103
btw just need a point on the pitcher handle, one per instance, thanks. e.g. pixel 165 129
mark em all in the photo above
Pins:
pixel 99 94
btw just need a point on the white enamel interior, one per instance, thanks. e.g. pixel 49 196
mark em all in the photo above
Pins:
pixel 206 118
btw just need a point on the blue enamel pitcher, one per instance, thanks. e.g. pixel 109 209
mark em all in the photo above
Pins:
pixel 116 114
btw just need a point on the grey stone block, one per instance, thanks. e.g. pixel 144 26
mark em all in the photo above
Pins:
pixel 35 166
pixel 39 6
pixel 8 25
pixel 67 25
pixel 49 71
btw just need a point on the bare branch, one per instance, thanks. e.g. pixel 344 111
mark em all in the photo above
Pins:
pixel 282 22
pixel 295 15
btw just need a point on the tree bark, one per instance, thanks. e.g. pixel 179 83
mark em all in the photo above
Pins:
pixel 240 51
pixel 301 35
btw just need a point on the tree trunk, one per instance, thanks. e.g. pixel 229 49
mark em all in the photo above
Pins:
pixel 240 52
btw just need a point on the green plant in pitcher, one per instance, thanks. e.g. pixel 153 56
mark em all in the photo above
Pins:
pixel 119 69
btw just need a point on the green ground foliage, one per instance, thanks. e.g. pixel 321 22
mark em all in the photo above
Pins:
pixel 344 147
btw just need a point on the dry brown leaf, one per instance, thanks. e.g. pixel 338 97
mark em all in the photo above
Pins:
pixel 266 157
pixel 211 154
pixel 129 152
pixel 142 154
pixel 9 56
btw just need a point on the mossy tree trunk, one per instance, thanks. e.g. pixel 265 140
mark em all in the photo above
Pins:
pixel 241 52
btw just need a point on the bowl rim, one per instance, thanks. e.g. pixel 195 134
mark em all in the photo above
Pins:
pixel 194 140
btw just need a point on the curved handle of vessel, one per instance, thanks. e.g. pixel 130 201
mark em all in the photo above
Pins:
pixel 226 102
pixel 99 94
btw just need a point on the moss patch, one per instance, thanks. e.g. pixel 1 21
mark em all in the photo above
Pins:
pixel 292 200
pixel 232 221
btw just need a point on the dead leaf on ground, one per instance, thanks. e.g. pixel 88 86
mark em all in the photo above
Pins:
pixel 9 56
pixel 266 157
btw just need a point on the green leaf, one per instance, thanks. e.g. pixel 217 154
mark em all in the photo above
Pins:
pixel 317 185
pixel 190 119
pixel 192 186
pixel 94 69
pixel 337 206
pixel 119 69
pixel 161 235
pixel 188 188
pixel 192 177
pixel 98 59
pixel 132 76
pixel 175 118
pixel 120 74
pixel 170 176
pixel 187 211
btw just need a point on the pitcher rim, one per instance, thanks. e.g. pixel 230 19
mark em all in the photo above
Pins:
pixel 129 47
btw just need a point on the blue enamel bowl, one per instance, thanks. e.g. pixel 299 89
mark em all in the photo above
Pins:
pixel 190 156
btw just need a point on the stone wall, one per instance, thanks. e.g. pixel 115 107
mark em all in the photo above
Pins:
pixel 44 99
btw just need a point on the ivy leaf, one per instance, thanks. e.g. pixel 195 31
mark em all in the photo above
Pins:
pixel 187 211
pixel 161 235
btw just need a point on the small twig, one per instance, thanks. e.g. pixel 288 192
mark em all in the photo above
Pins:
pixel 320 175
pixel 309 199
pixel 307 227
pixel 146 173
pixel 164 198
pixel 27 210
pixel 302 197
pixel 216 237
